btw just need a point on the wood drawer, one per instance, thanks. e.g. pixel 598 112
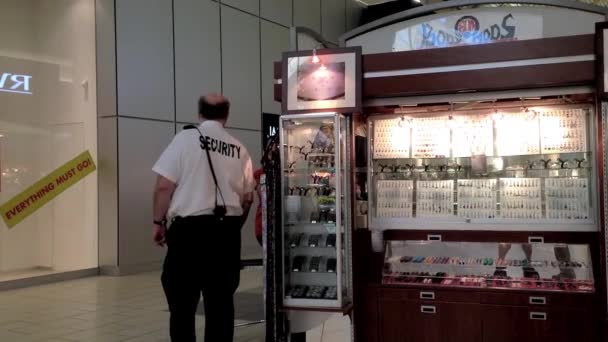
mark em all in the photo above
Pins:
pixel 449 296
pixel 431 295
pixel 538 299
pixel 397 294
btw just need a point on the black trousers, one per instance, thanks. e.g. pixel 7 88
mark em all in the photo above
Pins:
pixel 203 256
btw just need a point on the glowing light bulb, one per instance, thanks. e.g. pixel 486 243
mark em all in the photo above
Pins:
pixel 315 58
pixel 496 116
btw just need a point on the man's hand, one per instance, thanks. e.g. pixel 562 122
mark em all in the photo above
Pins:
pixel 159 235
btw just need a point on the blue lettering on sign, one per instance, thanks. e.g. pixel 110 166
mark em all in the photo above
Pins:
pixel 13 83
pixel 436 38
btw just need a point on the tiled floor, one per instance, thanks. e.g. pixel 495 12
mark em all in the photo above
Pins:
pixel 131 308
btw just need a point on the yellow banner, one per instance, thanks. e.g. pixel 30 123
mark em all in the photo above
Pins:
pixel 49 187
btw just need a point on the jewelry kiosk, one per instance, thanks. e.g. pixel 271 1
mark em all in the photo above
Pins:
pixel 485 176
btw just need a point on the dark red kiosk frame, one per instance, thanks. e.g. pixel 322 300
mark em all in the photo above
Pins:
pixel 472 315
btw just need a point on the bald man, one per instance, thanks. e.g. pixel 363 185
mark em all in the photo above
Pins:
pixel 203 195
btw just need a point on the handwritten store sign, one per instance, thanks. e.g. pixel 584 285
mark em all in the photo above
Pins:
pixel 483 27
pixel 46 189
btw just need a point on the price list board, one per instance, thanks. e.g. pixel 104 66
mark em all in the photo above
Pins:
pixel 392 138
pixel 563 130
pixel 517 134
pixel 472 135
pixel 431 137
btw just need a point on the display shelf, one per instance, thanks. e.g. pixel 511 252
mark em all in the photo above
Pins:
pixel 539 266
pixel 477 198
pixel 316 190
pixel 435 198
pixel 541 176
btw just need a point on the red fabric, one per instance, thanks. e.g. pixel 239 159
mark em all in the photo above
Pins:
pixel 258 214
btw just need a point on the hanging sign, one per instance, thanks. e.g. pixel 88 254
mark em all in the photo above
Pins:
pixel 46 189
pixel 327 80
pixel 474 28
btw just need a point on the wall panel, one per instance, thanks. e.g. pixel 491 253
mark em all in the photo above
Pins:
pixel 140 144
pixel 241 67
pixel 144 32
pixel 197 54
pixel 251 6
pixel 279 11
pixel 307 13
pixel 275 41
pixel 333 15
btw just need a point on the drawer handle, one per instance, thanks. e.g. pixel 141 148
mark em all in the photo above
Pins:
pixel 538 300
pixel 538 316
pixel 428 309
pixel 536 239
pixel 427 295
pixel 432 237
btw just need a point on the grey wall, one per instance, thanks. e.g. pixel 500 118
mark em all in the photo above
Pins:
pixel 155 58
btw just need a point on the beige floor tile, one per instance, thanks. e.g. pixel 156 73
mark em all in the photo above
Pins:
pixel 131 308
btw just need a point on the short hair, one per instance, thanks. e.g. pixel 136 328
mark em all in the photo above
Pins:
pixel 213 111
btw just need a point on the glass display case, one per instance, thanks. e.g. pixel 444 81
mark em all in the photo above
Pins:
pixel 316 210
pixel 493 169
pixel 537 266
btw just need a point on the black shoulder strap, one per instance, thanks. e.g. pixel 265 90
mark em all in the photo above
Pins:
pixel 204 146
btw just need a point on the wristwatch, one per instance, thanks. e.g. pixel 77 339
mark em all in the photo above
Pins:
pixel 162 223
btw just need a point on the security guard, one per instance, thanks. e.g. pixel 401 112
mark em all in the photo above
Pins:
pixel 204 190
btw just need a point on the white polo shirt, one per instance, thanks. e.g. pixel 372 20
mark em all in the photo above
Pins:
pixel 184 162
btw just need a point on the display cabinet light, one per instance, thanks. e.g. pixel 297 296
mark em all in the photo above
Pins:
pixel 530 114
pixel 497 116
pixel 315 58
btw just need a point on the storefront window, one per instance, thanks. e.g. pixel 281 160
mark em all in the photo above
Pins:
pixel 47 117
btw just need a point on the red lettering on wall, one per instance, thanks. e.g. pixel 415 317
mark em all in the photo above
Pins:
pixel 65 177
pixel 85 164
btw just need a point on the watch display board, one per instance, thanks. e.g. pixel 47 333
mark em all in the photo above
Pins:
pixel 435 198
pixel 473 135
pixel 477 198
pixel 538 266
pixel 517 134
pixel 567 198
pixel 392 138
pixel 395 198
pixel 431 137
pixel 513 167
pixel 520 198
pixel 563 130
